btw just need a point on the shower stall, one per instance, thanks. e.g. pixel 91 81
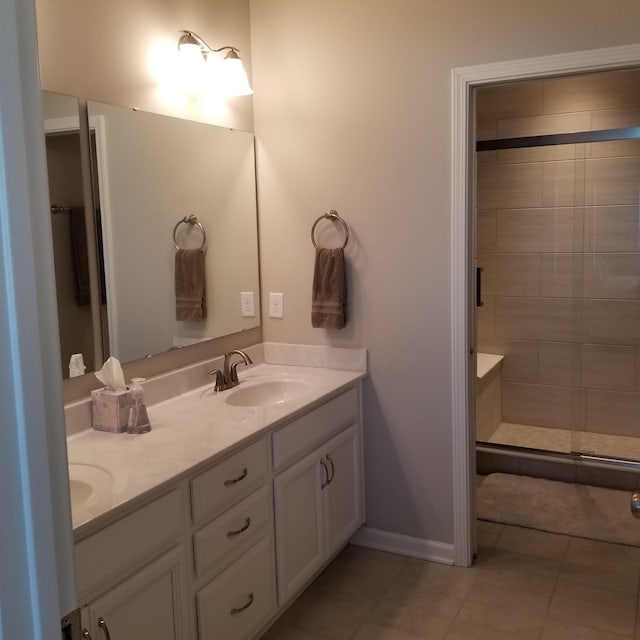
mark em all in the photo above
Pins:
pixel 558 275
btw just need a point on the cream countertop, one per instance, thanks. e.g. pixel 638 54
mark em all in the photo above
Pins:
pixel 188 431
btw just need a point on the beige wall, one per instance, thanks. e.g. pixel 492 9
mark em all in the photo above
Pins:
pixel 113 52
pixel 558 240
pixel 352 111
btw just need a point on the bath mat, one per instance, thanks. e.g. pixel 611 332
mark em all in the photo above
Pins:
pixel 560 507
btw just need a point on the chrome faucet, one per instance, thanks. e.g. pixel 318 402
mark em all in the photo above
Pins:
pixel 228 377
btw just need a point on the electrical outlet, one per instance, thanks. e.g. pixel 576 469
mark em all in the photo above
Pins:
pixel 247 306
pixel 276 305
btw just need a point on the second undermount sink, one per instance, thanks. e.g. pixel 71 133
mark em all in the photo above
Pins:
pixel 267 392
pixel 86 483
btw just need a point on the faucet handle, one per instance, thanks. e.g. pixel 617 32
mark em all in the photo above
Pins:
pixel 220 383
pixel 233 376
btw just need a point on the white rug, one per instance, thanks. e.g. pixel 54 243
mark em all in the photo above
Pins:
pixel 560 507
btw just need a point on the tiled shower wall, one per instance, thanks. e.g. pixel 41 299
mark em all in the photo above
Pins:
pixel 558 232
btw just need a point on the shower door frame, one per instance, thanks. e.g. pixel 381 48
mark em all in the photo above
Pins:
pixel 463 378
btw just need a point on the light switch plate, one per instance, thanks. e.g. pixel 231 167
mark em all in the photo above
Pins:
pixel 276 305
pixel 247 305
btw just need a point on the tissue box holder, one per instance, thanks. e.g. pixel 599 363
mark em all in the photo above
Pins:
pixel 110 409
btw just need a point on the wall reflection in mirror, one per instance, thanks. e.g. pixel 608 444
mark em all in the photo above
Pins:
pixel 150 171
pixel 70 250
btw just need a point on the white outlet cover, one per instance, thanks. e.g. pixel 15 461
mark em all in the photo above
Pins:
pixel 247 305
pixel 276 305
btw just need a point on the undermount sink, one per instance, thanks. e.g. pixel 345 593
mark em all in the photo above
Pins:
pixel 86 482
pixel 268 392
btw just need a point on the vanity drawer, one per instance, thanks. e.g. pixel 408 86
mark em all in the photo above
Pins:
pixel 119 547
pixel 314 428
pixel 241 598
pixel 228 480
pixel 232 533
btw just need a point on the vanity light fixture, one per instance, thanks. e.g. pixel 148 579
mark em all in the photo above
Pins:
pixel 227 74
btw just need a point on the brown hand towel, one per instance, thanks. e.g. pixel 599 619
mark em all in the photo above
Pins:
pixel 191 301
pixel 329 295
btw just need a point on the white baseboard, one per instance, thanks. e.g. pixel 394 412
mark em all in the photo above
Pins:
pixel 404 545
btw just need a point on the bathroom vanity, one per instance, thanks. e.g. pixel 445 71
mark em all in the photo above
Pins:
pixel 210 524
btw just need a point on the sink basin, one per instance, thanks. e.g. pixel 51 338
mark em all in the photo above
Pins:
pixel 86 483
pixel 269 392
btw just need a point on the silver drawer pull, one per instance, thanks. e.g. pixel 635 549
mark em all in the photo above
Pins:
pixel 244 607
pixel 324 482
pixel 333 470
pixel 86 635
pixel 242 476
pixel 237 532
pixel 103 625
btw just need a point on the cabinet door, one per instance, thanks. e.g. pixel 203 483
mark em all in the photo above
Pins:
pixel 344 492
pixel 298 495
pixel 148 606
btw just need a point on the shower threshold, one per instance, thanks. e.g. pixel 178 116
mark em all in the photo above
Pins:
pixel 595 448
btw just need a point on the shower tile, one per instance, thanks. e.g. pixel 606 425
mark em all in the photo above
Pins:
pixel 612 181
pixel 486 128
pixel 615 149
pixel 611 275
pixel 558 363
pixel 582 92
pixel 608 367
pixel 543 405
pixel 544 125
pixel 615 412
pixel 510 100
pixel 509 186
pixel 550 319
pixel 615 118
pixel 593 607
pixel 486 232
pixel 613 322
pixel 510 274
pixel 520 362
pixel 539 230
pixel 486 157
pixel 563 184
pixel 614 228
pixel 486 319
pixel 537 154
pixel 561 275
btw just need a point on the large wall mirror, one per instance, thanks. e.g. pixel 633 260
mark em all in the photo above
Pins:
pixel 150 172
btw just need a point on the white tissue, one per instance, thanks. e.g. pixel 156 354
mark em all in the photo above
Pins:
pixel 76 365
pixel 111 375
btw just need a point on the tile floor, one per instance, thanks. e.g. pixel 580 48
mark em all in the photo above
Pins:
pixel 525 584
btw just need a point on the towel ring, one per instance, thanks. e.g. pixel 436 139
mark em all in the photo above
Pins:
pixel 330 215
pixel 192 220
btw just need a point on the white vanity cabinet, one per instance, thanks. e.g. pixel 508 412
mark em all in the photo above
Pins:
pixel 131 576
pixel 147 606
pixel 216 554
pixel 233 551
pixel 318 499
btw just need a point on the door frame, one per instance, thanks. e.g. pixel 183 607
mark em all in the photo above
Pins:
pixel 463 81
pixel 36 546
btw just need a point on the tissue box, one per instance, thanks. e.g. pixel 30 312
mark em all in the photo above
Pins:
pixel 110 409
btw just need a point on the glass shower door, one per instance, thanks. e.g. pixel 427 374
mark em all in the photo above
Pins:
pixel 606 375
